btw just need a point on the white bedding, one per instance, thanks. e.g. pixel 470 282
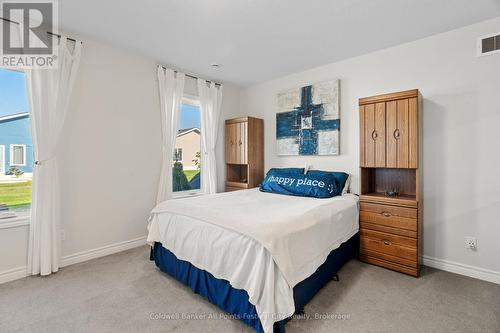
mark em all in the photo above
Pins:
pixel 261 242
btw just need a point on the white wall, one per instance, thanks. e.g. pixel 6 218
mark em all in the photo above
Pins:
pixel 230 109
pixel 109 157
pixel 110 151
pixel 461 117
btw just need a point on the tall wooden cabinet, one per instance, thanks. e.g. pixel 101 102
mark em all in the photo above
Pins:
pixel 391 223
pixel 244 153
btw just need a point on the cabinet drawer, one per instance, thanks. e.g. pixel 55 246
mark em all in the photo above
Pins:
pixel 394 239
pixel 393 245
pixel 391 216
pixel 388 229
pixel 389 220
pixel 391 210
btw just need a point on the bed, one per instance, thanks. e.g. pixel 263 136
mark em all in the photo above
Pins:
pixel 259 256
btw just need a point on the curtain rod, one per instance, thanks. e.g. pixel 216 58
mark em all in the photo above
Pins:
pixel 48 32
pixel 196 78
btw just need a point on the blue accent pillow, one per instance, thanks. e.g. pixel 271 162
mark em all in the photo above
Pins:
pixel 292 181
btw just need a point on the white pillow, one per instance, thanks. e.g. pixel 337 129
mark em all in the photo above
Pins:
pixel 346 186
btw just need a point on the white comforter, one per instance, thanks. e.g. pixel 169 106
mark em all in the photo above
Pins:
pixel 260 242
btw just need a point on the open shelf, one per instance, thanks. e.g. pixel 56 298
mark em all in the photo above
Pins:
pixel 237 173
pixel 376 182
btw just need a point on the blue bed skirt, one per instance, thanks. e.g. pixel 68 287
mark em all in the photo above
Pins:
pixel 235 301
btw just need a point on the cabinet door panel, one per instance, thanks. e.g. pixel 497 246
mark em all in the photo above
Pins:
pixel 369 132
pixel 362 136
pixel 402 134
pixel 413 132
pixel 242 143
pixel 379 135
pixel 227 139
pixel 391 126
pixel 231 143
pixel 236 143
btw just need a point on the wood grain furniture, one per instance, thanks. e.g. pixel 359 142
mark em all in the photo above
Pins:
pixel 391 226
pixel 244 153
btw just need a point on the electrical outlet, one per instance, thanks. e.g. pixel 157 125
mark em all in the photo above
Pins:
pixel 470 243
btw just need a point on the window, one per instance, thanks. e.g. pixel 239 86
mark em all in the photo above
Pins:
pixel 16 147
pixel 18 155
pixel 178 154
pixel 186 159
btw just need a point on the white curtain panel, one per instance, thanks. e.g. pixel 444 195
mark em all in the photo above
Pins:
pixel 171 84
pixel 49 91
pixel 210 102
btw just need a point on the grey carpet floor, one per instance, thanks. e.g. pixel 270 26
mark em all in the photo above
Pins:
pixel 122 292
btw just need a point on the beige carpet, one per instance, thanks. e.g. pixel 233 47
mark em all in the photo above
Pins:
pixel 121 292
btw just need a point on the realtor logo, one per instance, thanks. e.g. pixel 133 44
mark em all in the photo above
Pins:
pixel 28 34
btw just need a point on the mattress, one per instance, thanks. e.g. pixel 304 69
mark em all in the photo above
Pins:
pixel 260 242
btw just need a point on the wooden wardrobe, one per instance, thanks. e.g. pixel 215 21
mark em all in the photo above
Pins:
pixel 244 153
pixel 391 225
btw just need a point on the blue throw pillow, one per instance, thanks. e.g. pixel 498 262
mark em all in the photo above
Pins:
pixel 292 181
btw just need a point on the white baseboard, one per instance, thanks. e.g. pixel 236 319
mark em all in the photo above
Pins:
pixel 20 272
pixel 102 251
pixel 462 269
pixel 12 274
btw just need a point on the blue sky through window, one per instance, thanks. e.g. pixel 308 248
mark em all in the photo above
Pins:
pixel 189 116
pixel 13 96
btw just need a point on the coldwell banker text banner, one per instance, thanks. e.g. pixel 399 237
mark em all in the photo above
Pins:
pixel 28 36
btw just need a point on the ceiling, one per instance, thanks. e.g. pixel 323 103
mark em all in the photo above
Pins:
pixel 257 40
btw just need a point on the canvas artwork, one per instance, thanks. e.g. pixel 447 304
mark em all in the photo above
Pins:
pixel 308 120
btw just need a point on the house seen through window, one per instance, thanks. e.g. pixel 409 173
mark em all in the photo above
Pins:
pixel 16 147
pixel 187 158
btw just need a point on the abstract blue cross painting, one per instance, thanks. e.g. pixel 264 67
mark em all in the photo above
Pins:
pixel 308 120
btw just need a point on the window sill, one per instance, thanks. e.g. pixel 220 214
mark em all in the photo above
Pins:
pixel 15 222
pixel 187 194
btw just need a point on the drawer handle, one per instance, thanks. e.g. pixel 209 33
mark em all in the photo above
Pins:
pixel 386 214
pixel 374 135
pixel 386 242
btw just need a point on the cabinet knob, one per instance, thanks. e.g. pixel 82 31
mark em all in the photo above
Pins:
pixel 386 214
pixel 386 242
pixel 374 135
pixel 397 134
pixel 240 143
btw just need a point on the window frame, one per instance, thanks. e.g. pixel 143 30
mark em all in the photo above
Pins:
pixel 193 101
pixel 4 159
pixel 11 161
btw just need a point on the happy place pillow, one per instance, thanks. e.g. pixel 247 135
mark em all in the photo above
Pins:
pixel 293 181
